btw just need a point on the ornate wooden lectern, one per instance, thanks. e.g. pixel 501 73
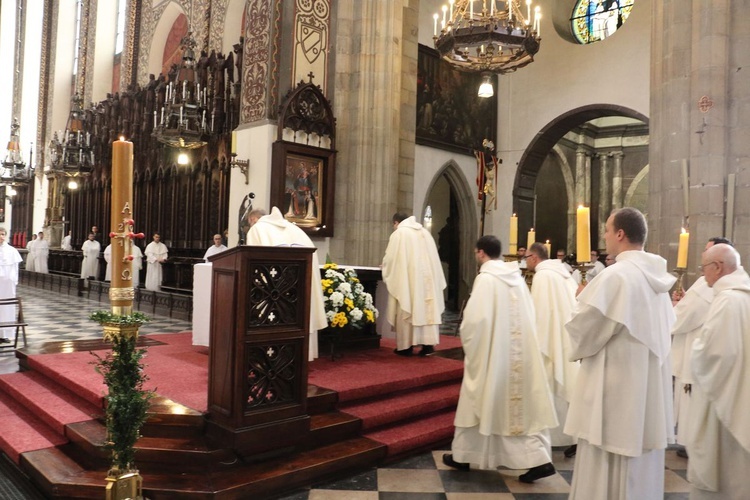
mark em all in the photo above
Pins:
pixel 257 378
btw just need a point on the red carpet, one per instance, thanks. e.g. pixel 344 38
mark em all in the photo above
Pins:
pixel 405 403
pixel 177 370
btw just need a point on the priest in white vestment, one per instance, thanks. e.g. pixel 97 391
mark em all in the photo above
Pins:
pixel 554 294
pixel 414 277
pixel 691 312
pixel 718 440
pixel 275 230
pixel 30 256
pixel 621 411
pixel 156 254
pixel 41 254
pixel 505 405
pixel 137 264
pixel 91 250
pixel 217 247
pixel 9 260
pixel 108 259
pixel 65 244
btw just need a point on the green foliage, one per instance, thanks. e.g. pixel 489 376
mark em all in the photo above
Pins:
pixel 127 402
pixel 109 318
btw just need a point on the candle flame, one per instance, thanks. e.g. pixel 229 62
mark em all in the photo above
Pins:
pixel 581 206
pixel 547 242
pixel 683 231
pixel 514 214
pixel 122 138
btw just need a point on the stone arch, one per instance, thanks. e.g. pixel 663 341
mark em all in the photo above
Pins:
pixel 233 22
pixel 567 174
pixel 643 174
pixel 543 143
pixel 161 33
pixel 468 227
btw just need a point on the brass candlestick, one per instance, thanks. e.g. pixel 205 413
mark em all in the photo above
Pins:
pixel 584 267
pixel 511 257
pixel 680 273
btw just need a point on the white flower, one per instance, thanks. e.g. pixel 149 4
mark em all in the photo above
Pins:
pixel 337 299
pixel 345 288
pixel 330 315
pixel 333 274
pixel 358 288
pixel 356 314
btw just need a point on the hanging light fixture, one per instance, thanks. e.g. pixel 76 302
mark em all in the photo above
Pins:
pixel 183 122
pixel 182 158
pixel 14 169
pixel 487 35
pixel 71 154
pixel 486 89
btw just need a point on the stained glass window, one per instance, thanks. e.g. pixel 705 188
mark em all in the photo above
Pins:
pixel 595 20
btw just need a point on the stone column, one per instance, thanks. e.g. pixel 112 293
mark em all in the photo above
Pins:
pixel 580 176
pixel 698 53
pixel 587 179
pixel 617 180
pixel 376 117
pixel 604 195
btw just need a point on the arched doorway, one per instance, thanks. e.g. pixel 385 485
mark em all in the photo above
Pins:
pixel 588 156
pixel 455 229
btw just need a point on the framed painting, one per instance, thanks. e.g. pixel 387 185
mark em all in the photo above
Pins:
pixel 450 115
pixel 302 184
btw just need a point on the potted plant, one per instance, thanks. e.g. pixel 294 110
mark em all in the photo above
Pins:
pixel 127 401
pixel 346 302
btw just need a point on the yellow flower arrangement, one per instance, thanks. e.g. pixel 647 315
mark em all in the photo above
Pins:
pixel 346 301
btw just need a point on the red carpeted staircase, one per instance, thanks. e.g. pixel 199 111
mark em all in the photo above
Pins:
pixel 376 406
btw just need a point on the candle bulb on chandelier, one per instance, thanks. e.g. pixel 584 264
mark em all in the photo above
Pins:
pixel 434 26
pixel 528 11
pixel 451 2
pixel 510 10
pixel 445 10
pixel 492 7
pixel 471 10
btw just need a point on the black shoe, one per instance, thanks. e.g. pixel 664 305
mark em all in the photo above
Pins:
pixel 4 341
pixel 427 350
pixel 682 453
pixel 537 472
pixel 570 451
pixel 448 460
pixel 404 352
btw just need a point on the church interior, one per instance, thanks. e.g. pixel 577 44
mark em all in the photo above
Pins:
pixel 341 113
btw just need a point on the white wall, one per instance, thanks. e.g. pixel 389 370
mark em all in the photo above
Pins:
pixel 563 77
pixel 7 57
pixel 104 49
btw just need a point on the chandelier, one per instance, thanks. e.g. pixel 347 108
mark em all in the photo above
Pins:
pixel 491 36
pixel 70 150
pixel 182 123
pixel 14 169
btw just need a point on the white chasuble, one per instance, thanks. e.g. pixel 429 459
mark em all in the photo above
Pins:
pixel 275 230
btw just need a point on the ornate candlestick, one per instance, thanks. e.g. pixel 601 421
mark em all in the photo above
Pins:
pixel 511 257
pixel 584 267
pixel 680 273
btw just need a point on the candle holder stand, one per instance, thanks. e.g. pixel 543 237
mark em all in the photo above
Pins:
pixel 584 267
pixel 243 165
pixel 680 273
pixel 511 257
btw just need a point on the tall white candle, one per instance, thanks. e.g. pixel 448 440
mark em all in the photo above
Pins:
pixel 528 11
pixel 510 10
pixel 434 25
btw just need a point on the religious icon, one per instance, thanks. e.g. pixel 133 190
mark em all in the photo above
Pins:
pixel 303 183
